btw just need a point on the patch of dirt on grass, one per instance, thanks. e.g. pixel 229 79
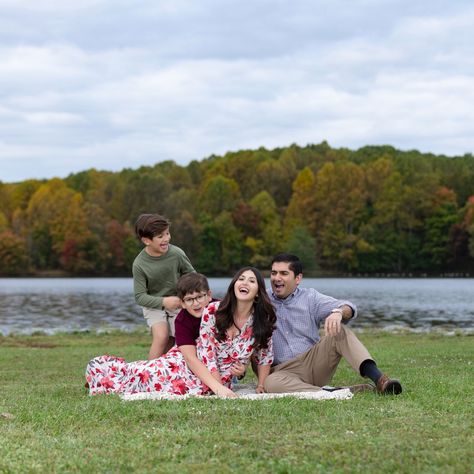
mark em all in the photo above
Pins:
pixel 7 416
pixel 13 342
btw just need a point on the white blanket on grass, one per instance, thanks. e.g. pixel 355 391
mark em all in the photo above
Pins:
pixel 246 392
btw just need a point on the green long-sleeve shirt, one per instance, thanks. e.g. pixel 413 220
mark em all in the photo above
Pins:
pixel 156 277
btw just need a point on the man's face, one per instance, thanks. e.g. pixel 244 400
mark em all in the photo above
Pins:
pixel 283 280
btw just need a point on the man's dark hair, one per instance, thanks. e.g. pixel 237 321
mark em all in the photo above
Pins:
pixel 191 283
pixel 149 225
pixel 295 264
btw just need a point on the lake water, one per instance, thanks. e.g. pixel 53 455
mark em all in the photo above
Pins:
pixel 52 305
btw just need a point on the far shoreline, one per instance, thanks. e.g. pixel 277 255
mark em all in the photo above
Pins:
pixel 50 274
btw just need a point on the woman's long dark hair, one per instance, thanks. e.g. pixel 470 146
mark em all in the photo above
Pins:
pixel 264 317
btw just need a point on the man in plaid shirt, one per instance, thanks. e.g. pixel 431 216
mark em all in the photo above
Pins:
pixel 305 361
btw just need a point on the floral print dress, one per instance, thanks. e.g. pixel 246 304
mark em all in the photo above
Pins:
pixel 170 373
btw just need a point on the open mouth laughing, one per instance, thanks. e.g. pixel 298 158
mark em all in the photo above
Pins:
pixel 243 290
pixel 278 286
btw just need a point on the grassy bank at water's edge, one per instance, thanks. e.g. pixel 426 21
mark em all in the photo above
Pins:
pixel 48 423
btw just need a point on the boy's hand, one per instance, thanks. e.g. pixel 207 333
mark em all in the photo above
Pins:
pixel 171 303
pixel 238 369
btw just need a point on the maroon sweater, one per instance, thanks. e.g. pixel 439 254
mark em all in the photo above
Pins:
pixel 186 329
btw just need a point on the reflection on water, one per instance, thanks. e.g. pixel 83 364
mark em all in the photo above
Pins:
pixel 54 304
pixel 419 304
pixel 50 305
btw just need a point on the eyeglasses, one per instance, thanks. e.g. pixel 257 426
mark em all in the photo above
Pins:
pixel 197 299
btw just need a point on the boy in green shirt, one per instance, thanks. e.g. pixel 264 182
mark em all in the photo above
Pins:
pixel 156 270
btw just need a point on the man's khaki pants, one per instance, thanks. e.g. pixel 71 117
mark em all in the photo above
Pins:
pixel 315 368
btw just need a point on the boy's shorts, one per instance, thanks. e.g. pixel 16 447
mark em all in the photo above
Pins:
pixel 153 316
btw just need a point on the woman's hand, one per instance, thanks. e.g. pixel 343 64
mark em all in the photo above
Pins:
pixel 263 372
pixel 224 392
pixel 238 369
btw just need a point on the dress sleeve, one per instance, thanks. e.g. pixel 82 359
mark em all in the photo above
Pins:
pixel 265 356
pixel 207 342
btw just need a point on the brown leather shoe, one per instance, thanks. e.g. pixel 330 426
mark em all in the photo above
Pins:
pixel 388 386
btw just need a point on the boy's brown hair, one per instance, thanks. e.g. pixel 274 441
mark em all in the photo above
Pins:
pixel 149 225
pixel 191 283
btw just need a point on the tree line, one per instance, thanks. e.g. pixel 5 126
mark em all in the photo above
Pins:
pixel 375 210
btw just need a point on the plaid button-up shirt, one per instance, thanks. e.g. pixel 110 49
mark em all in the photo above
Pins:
pixel 298 320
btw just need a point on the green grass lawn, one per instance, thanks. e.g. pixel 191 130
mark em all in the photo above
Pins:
pixel 56 427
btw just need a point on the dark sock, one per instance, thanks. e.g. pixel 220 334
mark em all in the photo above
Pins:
pixel 369 368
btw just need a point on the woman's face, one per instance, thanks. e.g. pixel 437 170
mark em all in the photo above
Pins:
pixel 246 286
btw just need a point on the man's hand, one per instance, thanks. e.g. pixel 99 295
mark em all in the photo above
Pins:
pixel 332 324
pixel 171 303
pixel 238 369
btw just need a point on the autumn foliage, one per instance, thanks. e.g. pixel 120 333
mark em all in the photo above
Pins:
pixel 376 210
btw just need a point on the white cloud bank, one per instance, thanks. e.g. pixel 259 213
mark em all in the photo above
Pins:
pixel 122 84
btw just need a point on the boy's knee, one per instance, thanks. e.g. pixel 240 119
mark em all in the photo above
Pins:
pixel 160 333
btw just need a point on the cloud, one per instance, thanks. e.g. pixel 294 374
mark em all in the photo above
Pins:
pixel 116 85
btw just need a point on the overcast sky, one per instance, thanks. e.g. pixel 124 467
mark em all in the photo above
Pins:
pixel 109 84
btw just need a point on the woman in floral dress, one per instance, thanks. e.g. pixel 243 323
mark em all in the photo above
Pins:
pixel 232 330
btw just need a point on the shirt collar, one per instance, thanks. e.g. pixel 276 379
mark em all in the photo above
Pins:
pixel 289 297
